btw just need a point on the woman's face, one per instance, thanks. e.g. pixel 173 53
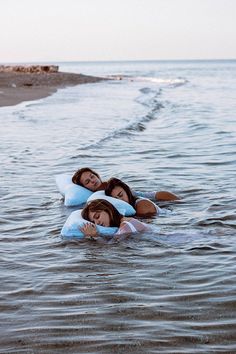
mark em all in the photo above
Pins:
pixel 90 180
pixel 99 217
pixel 119 193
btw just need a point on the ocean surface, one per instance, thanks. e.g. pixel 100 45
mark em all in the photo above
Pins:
pixel 167 125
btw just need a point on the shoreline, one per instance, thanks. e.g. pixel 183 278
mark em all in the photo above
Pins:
pixel 17 87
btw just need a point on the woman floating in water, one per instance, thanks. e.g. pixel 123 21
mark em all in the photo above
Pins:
pixel 117 189
pixel 103 213
pixel 88 178
pixel 91 180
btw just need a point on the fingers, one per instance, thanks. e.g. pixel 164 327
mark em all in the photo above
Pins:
pixel 89 230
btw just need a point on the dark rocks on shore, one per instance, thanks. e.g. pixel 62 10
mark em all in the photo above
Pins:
pixel 26 83
pixel 29 68
pixel 16 78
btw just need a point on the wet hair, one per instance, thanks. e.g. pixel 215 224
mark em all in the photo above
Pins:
pixel 76 177
pixel 102 205
pixel 115 182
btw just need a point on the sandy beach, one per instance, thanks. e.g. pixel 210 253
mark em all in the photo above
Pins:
pixel 19 87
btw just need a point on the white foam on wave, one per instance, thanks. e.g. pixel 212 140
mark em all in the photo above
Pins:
pixel 158 80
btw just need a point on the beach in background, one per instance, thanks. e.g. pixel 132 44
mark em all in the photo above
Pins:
pixel 21 83
pixel 166 125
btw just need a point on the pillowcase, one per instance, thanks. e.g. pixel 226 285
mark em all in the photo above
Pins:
pixel 75 221
pixel 124 208
pixel 73 193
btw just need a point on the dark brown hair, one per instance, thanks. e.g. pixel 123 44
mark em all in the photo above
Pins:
pixel 102 205
pixel 76 177
pixel 114 182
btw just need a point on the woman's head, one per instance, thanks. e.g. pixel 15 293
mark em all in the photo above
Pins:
pixel 119 190
pixel 101 212
pixel 87 178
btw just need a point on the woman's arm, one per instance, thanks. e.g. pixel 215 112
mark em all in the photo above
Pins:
pixel 166 196
pixel 161 196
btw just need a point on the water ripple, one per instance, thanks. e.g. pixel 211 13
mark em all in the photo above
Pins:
pixel 166 291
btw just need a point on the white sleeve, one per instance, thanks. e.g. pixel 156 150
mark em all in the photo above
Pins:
pixel 125 229
pixel 132 226
pixel 148 195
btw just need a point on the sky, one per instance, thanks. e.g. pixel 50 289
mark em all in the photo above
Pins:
pixel 97 30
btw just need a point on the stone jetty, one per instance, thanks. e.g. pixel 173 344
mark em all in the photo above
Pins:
pixel 29 69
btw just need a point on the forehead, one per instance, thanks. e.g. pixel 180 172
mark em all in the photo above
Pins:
pixel 92 213
pixel 118 189
pixel 85 175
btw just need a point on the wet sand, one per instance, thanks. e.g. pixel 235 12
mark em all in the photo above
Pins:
pixel 19 87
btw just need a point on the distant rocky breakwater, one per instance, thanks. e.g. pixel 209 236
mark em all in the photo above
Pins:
pixel 29 68
pixel 40 75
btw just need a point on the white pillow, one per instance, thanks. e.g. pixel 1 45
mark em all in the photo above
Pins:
pixel 73 193
pixel 75 222
pixel 124 208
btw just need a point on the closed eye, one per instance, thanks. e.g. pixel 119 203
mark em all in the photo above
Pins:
pixel 96 216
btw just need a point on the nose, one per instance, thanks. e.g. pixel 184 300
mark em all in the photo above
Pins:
pixel 99 222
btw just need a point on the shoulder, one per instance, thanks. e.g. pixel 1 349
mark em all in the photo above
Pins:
pixel 127 225
pixel 132 225
pixel 124 220
pixel 145 206
pixel 102 186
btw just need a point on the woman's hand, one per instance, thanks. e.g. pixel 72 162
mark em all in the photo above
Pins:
pixel 89 230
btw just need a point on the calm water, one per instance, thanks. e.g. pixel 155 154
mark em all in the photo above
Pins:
pixel 165 126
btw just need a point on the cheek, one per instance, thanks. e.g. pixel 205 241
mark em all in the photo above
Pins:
pixel 126 199
pixel 106 220
pixel 90 186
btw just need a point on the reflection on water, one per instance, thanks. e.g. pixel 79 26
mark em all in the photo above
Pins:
pixel 171 290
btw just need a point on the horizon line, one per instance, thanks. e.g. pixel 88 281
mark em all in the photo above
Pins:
pixel 115 61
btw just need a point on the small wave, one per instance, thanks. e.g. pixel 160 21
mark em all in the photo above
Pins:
pixel 82 156
pixel 157 80
pixel 202 248
pixel 131 128
pixel 227 221
pixel 147 90
pixel 128 130
pixel 173 82
pixel 134 126
pixel 149 97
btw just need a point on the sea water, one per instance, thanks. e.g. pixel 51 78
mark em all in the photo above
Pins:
pixel 156 125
